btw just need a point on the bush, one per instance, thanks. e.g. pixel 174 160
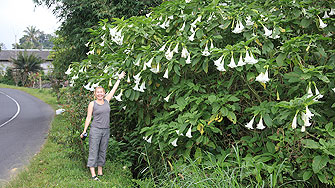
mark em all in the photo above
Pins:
pixel 201 72
pixel 7 78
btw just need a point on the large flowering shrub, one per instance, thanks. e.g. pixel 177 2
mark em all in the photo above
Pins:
pixel 202 75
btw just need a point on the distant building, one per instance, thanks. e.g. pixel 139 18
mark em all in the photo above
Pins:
pixel 6 57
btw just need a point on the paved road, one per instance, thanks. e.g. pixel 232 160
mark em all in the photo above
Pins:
pixel 24 124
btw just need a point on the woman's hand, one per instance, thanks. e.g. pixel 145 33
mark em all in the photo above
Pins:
pixel 82 134
pixel 122 75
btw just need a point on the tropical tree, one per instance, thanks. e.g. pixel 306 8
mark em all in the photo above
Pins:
pixel 77 17
pixel 24 65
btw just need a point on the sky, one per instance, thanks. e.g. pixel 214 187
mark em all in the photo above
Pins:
pixel 17 15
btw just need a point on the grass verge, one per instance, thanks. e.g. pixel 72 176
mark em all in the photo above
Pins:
pixel 54 167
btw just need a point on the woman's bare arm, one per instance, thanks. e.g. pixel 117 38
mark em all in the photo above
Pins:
pixel 116 85
pixel 88 117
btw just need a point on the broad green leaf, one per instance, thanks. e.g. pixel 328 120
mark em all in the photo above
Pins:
pixel 310 144
pixel 307 174
pixel 268 120
pixel 280 59
pixel 319 162
pixel 270 147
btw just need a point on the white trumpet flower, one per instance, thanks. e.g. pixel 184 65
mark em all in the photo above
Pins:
pixel 167 97
pixel 68 71
pixel 263 77
pixel 137 63
pixel 249 125
pixel 162 48
pixel 221 67
pixel 128 79
pixel 249 22
pixel 303 128
pixel 332 12
pixel 136 87
pixel 206 52
pixel 232 63
pixel 309 92
pixel 169 53
pixel 218 61
pixel 188 60
pixel 187 1
pixel 166 74
pixel 155 70
pixel 110 83
pixel 305 119
pixel 309 114
pixel 294 121
pixel 137 77
pixel 178 133
pixel 142 87
pixel 322 25
pixel 268 32
pixel 88 86
pixel 212 45
pixel 238 27
pixel 240 62
pixel 189 132
pixel 250 59
pixel 184 53
pixel 176 48
pixel 149 140
pixel 333 89
pixel 317 93
pixel 148 64
pixel 75 77
pixel 174 142
pixel 326 15
pixel 191 38
pixel 195 21
pixel 118 98
pixel 148 15
pixel 260 124
pixel 183 26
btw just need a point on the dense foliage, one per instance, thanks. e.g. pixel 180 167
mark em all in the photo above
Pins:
pixel 200 73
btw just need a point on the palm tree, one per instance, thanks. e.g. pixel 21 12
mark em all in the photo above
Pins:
pixel 25 64
pixel 31 37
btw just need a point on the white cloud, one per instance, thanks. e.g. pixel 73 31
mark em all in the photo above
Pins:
pixel 17 15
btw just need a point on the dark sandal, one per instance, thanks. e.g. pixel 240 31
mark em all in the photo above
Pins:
pixel 100 175
pixel 95 178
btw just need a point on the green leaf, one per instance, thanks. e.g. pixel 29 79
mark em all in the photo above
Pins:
pixel 310 144
pixel 305 23
pixel 319 162
pixel 322 178
pixel 127 93
pixel 268 120
pixel 233 98
pixel 307 175
pixel 232 117
pixel 280 59
pixel 198 155
pixel 271 147
pixel 199 33
pixel 205 66
pixel 212 98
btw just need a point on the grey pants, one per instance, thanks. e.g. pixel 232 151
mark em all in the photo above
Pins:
pixel 98 143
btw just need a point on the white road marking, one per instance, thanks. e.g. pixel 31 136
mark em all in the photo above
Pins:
pixel 18 109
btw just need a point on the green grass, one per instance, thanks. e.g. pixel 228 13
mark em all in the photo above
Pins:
pixel 54 166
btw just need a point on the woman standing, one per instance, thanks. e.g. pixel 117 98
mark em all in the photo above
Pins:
pixel 99 132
